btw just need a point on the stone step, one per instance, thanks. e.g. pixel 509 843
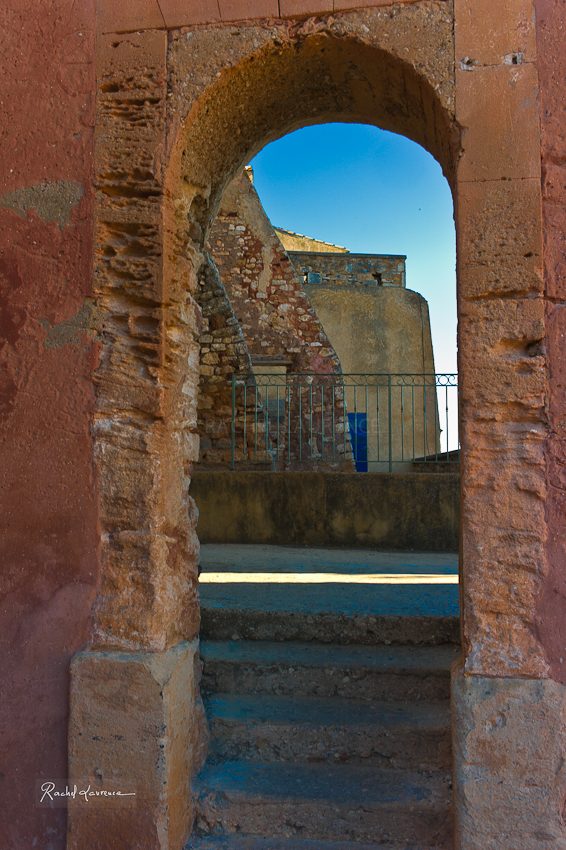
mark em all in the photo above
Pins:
pixel 265 728
pixel 343 803
pixel 357 672
pixel 247 842
pixel 220 622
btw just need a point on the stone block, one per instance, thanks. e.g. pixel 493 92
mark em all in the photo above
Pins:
pixel 342 5
pixel 555 250
pixel 492 33
pixel 128 15
pixel 148 596
pixel 136 726
pixel 289 8
pixel 556 330
pixel 184 13
pixel 239 10
pixel 499 238
pixel 137 49
pixel 498 109
pixel 509 762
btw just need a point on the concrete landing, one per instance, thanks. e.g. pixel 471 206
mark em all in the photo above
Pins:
pixel 341 595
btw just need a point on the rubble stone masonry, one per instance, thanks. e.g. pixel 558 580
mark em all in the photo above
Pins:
pixel 349 269
pixel 267 294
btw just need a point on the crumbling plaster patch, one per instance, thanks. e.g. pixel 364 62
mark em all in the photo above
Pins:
pixel 71 330
pixel 53 202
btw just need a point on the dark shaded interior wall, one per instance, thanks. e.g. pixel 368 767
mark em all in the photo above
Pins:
pixel 48 350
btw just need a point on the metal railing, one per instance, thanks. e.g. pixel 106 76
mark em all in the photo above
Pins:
pixel 373 422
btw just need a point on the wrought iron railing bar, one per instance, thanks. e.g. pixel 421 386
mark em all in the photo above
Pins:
pixel 277 425
pixel 245 421
pixel 266 414
pixel 425 440
pixel 288 412
pixel 402 427
pixel 255 419
pixel 355 420
pixel 436 425
pixel 345 422
pixel 413 412
pixel 322 419
pixel 447 432
pixel 378 432
pixel 310 421
pixel 333 406
pixel 300 392
pixel 390 427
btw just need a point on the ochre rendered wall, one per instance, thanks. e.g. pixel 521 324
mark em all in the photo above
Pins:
pixel 376 329
pixel 551 30
pixel 50 537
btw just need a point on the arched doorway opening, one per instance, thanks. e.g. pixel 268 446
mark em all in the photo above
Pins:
pixel 260 601
pixel 355 79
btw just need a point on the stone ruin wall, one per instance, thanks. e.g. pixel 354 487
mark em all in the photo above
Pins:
pixel 275 318
pixel 223 351
pixel 351 269
pixel 267 295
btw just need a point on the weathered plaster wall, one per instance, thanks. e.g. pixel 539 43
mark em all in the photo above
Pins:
pixel 400 511
pixel 384 330
pixel 376 329
pixel 297 242
pixel 49 550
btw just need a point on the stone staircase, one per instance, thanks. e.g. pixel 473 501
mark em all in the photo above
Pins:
pixel 326 745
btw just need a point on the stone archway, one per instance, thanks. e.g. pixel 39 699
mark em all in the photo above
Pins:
pixel 177 117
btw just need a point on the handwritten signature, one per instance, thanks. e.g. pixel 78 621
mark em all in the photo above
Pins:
pixel 49 792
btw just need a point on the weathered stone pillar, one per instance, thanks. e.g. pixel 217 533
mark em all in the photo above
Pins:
pixel 508 716
pixel 136 728
pixel 136 721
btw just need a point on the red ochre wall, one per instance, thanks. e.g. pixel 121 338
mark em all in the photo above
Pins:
pixel 551 34
pixel 48 352
pixel 48 502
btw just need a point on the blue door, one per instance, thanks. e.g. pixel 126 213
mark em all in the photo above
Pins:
pixel 358 423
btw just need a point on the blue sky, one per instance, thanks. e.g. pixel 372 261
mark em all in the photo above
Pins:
pixel 372 192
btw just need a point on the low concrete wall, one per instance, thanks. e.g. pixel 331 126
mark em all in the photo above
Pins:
pixel 400 511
